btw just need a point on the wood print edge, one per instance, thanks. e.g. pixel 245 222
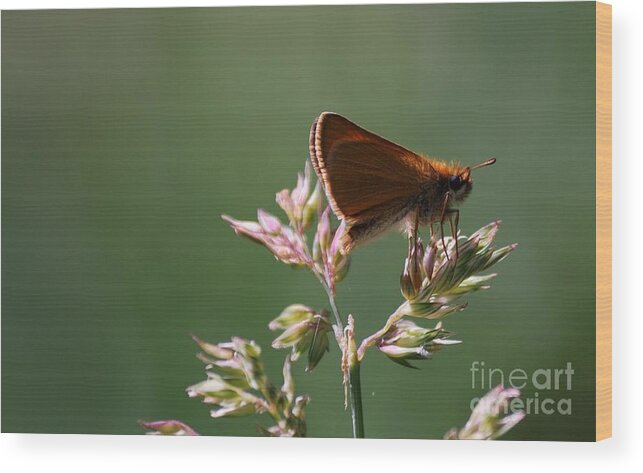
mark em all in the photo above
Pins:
pixel 603 221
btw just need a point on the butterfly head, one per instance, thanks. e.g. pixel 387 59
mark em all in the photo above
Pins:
pixel 460 182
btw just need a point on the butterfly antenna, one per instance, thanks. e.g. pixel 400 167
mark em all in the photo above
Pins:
pixel 488 162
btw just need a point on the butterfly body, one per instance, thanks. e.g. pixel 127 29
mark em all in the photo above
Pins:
pixel 374 184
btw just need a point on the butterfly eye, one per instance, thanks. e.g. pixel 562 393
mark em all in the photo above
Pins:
pixel 455 182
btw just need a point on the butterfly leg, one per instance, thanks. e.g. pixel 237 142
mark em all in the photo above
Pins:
pixel 432 236
pixel 454 221
pixel 445 209
pixel 412 232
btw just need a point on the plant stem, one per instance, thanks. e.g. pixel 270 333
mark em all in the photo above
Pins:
pixel 355 388
pixel 331 300
pixel 354 382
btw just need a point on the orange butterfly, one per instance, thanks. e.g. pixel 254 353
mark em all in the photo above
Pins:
pixel 374 184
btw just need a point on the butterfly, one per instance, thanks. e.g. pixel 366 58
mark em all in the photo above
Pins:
pixel 374 184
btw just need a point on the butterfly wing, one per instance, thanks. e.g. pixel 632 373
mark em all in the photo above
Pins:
pixel 370 181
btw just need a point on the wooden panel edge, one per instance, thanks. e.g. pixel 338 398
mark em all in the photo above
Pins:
pixel 603 221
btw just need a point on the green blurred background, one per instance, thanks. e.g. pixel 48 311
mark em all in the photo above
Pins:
pixel 126 133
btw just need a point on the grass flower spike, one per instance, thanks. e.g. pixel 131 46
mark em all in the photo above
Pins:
pixel 407 341
pixel 435 280
pixel 304 331
pixel 490 418
pixel 168 427
pixel 237 385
